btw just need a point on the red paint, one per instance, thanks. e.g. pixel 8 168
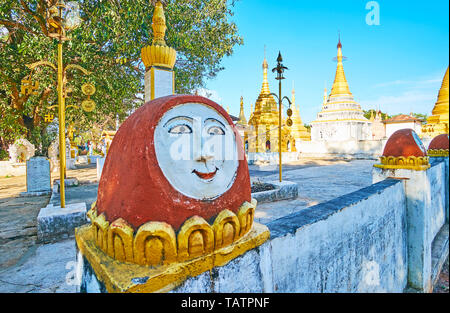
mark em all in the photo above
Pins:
pixel 402 143
pixel 205 176
pixel 133 186
pixel 439 142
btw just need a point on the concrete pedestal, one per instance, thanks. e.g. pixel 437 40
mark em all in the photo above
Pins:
pixel 55 223
pixel 284 190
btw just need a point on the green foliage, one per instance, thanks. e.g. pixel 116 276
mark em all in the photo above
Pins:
pixel 109 44
pixel 4 156
pixel 368 113
pixel 422 117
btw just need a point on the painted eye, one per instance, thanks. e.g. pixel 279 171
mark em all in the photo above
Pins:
pixel 215 130
pixel 180 129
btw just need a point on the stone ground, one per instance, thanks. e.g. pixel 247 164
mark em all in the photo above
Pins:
pixel 317 183
pixel 29 267
pixel 442 284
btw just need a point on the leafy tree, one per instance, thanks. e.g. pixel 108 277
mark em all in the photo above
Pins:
pixel 108 43
pixel 368 113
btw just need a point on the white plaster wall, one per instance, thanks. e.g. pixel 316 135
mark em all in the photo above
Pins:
pixel 368 148
pixel 8 168
pixel 359 248
pixel 272 157
pixel 393 127
pixel 340 131
pixel 426 214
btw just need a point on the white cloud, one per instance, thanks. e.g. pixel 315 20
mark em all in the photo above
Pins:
pixel 402 96
pixel 210 94
pixel 415 101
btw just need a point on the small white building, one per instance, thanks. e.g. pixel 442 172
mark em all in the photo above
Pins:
pixel 402 121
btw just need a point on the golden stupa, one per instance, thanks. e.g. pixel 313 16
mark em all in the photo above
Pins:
pixel 261 133
pixel 298 130
pixel 437 123
pixel 242 118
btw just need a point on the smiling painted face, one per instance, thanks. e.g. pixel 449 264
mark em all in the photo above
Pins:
pixel 174 158
pixel 196 150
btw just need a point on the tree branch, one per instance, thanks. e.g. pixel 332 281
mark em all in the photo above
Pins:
pixel 11 25
pixel 37 17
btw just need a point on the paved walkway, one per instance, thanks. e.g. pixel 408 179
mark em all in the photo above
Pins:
pixel 24 265
pixel 316 184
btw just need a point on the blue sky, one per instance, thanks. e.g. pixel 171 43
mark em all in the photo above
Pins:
pixel 396 66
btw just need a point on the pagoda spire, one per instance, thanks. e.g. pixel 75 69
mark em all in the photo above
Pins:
pixel 265 86
pixel 298 130
pixel 440 113
pixel 340 85
pixel 325 96
pixel 442 103
pixel 242 119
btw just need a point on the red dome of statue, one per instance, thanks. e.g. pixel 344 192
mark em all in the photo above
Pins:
pixel 404 142
pixel 439 143
pixel 134 186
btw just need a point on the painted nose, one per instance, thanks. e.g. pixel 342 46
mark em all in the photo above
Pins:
pixel 203 157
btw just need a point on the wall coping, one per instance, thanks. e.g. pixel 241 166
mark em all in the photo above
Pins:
pixel 290 223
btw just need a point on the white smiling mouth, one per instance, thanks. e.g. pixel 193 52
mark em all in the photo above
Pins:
pixel 205 176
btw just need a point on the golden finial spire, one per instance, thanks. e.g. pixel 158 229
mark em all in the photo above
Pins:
pixel 265 86
pixel 340 85
pixel 242 119
pixel 158 54
pixel 159 24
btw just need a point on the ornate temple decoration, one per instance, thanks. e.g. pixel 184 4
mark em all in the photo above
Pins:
pixel 262 133
pixel 439 146
pixel 378 128
pixel 298 129
pixel 156 243
pixel 242 118
pixel 158 53
pixel 263 123
pixel 404 150
pixel 159 60
pixel 437 123
pixel 166 216
pixel 341 117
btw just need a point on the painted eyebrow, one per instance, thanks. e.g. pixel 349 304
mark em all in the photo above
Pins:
pixel 214 120
pixel 179 118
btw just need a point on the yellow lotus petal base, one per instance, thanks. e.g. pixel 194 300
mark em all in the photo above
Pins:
pixel 408 163
pixel 127 277
pixel 437 153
